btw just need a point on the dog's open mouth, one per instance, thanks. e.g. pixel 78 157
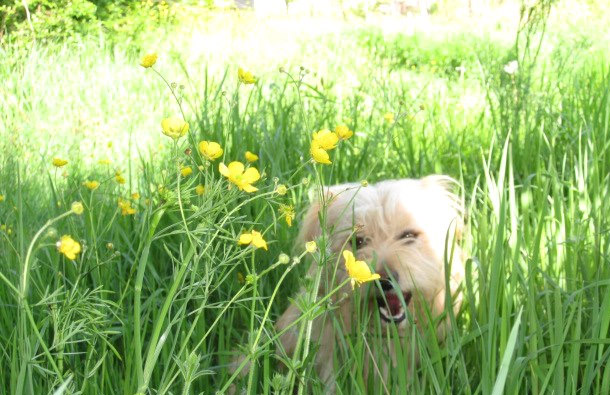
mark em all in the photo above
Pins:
pixel 391 306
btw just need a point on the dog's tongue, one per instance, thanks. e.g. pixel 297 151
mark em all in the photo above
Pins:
pixel 393 302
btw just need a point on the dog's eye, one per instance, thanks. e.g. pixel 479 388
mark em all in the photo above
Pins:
pixel 408 235
pixel 360 241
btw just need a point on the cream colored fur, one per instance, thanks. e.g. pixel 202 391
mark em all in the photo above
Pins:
pixel 380 213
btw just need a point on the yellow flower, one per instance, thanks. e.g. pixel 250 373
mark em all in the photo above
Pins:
pixel 281 189
pixel 319 155
pixel 343 132
pixel 77 208
pixel 68 246
pixel 186 171
pixel 174 127
pixel 243 179
pixel 389 117
pixel 253 238
pixel 126 208
pixel 250 157
pixel 148 60
pixel 91 185
pixel 325 139
pixel 245 77
pixel 105 162
pixel 358 271
pixel 119 178
pixel 135 196
pixel 199 189
pixel 58 162
pixel 311 247
pixel 1 198
pixel 288 213
pixel 210 149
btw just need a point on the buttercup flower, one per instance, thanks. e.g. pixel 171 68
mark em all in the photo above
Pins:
pixel 389 117
pixel 126 208
pixel 288 213
pixel 148 60
pixel 210 149
pixel 243 179
pixel 319 155
pixel 91 185
pixel 250 157
pixel 58 162
pixel 281 189
pixel 358 271
pixel 119 178
pixel 1 198
pixel 245 77
pixel 311 247
pixel 253 238
pixel 343 132
pixel 325 139
pixel 105 162
pixel 199 189
pixel 69 247
pixel 174 127
pixel 135 196
pixel 77 208
pixel 186 171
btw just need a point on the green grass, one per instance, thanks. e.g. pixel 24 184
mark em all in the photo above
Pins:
pixel 154 302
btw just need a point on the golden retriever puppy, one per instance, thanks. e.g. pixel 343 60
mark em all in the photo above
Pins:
pixel 406 229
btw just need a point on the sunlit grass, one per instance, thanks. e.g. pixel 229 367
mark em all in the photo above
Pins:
pixel 164 299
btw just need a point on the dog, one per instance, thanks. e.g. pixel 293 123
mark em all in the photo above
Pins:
pixel 406 229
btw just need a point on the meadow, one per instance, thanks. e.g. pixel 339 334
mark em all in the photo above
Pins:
pixel 160 297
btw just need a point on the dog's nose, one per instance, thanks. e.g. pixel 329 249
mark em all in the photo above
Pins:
pixel 386 281
pixel 386 284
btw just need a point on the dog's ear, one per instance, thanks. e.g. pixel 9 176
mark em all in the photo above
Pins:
pixel 449 188
pixel 310 225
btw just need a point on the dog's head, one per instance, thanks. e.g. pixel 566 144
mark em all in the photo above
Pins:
pixel 399 227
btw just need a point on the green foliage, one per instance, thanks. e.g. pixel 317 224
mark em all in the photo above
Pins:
pixel 433 55
pixel 163 301
pixel 69 20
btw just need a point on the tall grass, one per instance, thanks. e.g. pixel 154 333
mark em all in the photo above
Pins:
pixel 163 301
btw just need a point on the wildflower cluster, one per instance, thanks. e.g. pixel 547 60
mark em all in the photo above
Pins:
pixel 242 175
pixel 325 140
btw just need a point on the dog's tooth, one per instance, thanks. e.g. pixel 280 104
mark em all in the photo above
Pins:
pixel 400 313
